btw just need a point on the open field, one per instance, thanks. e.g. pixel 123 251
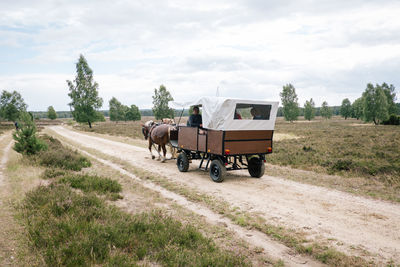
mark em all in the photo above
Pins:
pixel 245 221
pixel 362 158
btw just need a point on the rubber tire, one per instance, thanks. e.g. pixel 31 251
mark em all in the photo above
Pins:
pixel 217 171
pixel 182 162
pixel 256 167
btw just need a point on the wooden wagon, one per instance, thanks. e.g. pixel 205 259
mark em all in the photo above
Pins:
pixel 236 134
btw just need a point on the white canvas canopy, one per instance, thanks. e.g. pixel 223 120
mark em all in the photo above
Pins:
pixel 218 113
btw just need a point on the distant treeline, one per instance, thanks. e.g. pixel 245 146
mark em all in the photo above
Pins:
pixel 149 112
pixel 106 113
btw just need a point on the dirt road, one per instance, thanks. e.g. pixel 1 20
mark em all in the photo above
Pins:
pixel 354 225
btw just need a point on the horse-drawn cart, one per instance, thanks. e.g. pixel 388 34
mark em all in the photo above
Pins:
pixel 236 134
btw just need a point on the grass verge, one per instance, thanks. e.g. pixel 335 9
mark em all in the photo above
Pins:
pixel 68 228
pixel 68 223
pixel 58 156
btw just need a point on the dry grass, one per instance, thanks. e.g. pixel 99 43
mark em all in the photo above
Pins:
pixel 18 179
pixel 337 147
pixel 131 129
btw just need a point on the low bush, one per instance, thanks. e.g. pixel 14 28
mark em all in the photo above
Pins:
pixel 67 228
pixel 53 173
pixel 393 120
pixel 91 183
pixel 58 156
pixel 25 138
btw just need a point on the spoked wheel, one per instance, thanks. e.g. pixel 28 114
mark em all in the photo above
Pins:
pixel 256 167
pixel 217 171
pixel 182 162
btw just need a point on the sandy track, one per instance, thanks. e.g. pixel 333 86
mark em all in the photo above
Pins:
pixel 352 224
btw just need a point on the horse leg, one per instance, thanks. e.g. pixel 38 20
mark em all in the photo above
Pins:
pixel 159 154
pixel 172 150
pixel 151 154
pixel 164 149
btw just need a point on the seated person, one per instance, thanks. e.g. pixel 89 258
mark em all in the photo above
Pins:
pixel 256 116
pixel 195 119
pixel 237 116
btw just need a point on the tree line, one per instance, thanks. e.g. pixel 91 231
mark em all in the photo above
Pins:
pixel 376 104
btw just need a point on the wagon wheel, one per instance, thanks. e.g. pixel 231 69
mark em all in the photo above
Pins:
pixel 217 171
pixel 182 162
pixel 256 167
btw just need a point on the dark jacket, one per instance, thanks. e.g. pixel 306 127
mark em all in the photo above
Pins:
pixel 195 120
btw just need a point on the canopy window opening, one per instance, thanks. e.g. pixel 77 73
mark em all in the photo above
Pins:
pixel 252 112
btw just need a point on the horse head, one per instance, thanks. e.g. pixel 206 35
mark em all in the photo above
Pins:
pixel 146 128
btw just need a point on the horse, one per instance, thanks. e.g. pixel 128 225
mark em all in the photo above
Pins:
pixel 168 121
pixel 157 134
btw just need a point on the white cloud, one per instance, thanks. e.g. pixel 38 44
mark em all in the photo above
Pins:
pixel 328 50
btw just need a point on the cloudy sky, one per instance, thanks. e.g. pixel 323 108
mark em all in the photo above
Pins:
pixel 328 50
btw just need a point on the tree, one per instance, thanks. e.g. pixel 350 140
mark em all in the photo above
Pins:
pixel 11 105
pixel 326 111
pixel 133 114
pixel 51 113
pixel 345 109
pixel 25 138
pixel 84 94
pixel 289 102
pixel 160 103
pixel 309 110
pixel 357 108
pixel 390 94
pixel 117 110
pixel 375 105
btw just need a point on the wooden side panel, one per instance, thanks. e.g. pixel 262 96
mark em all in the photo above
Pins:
pixel 248 147
pixel 187 138
pixel 202 143
pixel 246 135
pixel 214 142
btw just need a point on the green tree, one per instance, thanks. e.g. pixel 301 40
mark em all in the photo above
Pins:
pixel 289 102
pixel 160 103
pixel 117 110
pixel 25 138
pixel 390 93
pixel 326 111
pixel 84 94
pixel 357 108
pixel 309 110
pixel 133 114
pixel 375 106
pixel 11 105
pixel 51 113
pixel 345 108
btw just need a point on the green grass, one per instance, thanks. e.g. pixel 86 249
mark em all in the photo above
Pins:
pixel 72 229
pixel 93 183
pixel 58 156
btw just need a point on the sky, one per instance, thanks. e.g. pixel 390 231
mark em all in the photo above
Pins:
pixel 328 50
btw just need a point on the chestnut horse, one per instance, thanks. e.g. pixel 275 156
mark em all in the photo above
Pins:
pixel 157 134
